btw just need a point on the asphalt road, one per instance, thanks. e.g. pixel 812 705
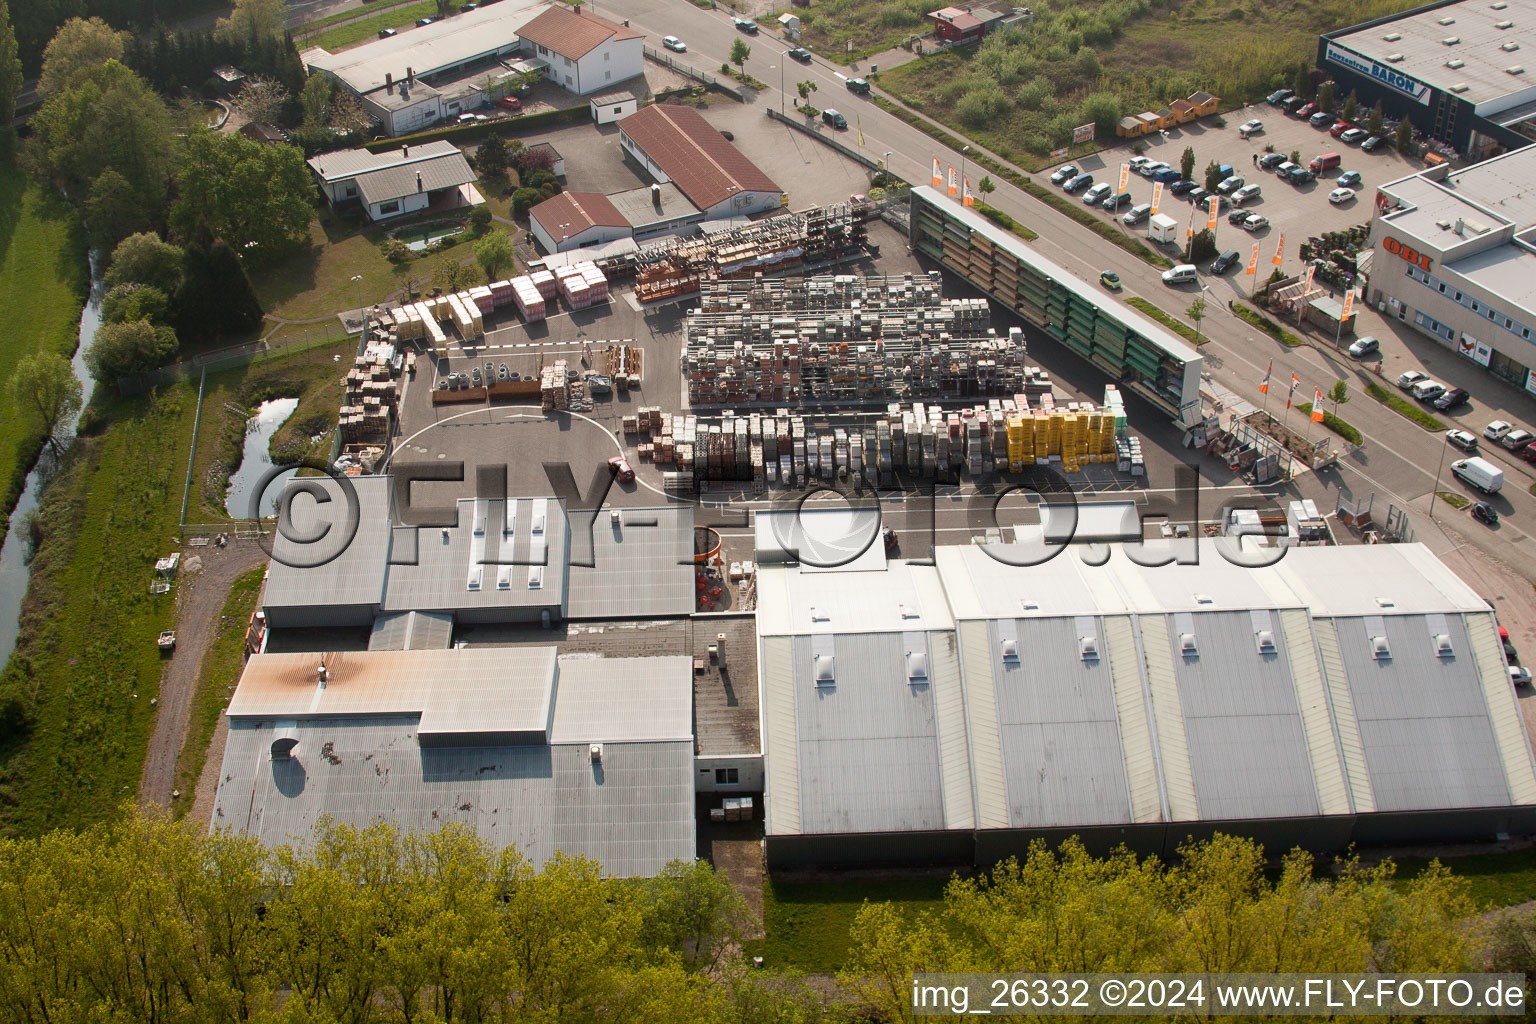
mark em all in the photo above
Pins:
pixel 1398 461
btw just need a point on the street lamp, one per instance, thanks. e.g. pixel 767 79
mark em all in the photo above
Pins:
pixel 358 280
pixel 1436 489
pixel 783 96
pixel 963 150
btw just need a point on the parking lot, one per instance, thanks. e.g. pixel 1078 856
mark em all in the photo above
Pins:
pixel 1298 211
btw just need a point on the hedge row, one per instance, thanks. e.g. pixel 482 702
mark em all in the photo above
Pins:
pixel 1269 327
pixel 480 129
pixel 1001 219
pixel 1333 423
pixel 1403 407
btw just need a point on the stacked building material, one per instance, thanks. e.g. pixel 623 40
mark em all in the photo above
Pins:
pixel 530 303
pixel 544 281
pixel 574 288
pixel 595 280
pixel 483 298
pixel 555 385
pixel 501 294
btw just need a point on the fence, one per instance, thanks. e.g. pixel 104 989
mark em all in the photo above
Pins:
pixel 702 77
pixel 224 360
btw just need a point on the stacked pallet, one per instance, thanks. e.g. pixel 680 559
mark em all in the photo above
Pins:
pixel 530 303
pixel 574 288
pixel 555 385
pixel 483 298
pixel 501 294
pixel 544 282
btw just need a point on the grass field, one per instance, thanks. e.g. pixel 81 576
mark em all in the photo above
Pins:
pixel 1179 327
pixel 310 28
pixel 87 661
pixel 364 29
pixel 1501 879
pixel 1021 92
pixel 43 284
pixel 317 281
pixel 872 26
pixel 221 671
pixel 807 924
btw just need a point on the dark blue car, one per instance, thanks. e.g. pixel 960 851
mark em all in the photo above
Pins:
pixel 1166 175
pixel 1078 183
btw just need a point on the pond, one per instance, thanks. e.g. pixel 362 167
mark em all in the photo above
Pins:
pixel 256 464
pixel 211 114
pixel 417 239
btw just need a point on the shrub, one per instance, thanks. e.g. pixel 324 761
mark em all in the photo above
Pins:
pixel 395 251
pixel 480 219
pixel 523 200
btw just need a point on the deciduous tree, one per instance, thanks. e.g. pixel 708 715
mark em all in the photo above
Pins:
pixel 691 908
pixel 216 300
pixel 491 157
pixel 44 388
pixel 494 253
pixel 255 197
pixel 129 302
pixel 145 259
pixel 986 186
pixel 79 49
pixel 10 79
pixel 254 22
pixel 1196 312
pixel 128 348
pixel 113 211
pixel 314 100
pixel 740 51
pixel 262 100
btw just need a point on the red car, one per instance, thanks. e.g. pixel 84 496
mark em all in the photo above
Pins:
pixel 1339 128
pixel 510 103
pixel 620 468
pixel 1308 110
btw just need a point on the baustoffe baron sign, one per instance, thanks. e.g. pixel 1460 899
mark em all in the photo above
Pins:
pixel 1391 78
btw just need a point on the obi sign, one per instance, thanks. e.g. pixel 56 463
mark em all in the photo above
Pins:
pixel 1394 80
pixel 1412 255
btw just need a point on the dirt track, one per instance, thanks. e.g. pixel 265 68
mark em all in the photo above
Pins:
pixel 200 598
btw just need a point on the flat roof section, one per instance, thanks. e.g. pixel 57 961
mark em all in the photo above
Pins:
pixel 428 49
pixel 331 572
pixel 640 209
pixel 641 563
pixel 725 698
pixel 1415 44
pixel 902 596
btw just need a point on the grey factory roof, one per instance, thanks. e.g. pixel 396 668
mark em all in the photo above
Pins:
pixel 638 205
pixel 498 738
pixel 446 171
pixel 1416 45
pixel 430 48
pixel 1336 681
pixel 341 164
pixel 640 568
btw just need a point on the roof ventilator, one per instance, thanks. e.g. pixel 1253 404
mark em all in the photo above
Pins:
pixel 1188 646
pixel 1088 646
pixel 917 666
pixel 1266 641
pixel 1204 599
pixel 1380 650
pixel 595 751
pixel 1011 650
pixel 1443 646
pixel 824 670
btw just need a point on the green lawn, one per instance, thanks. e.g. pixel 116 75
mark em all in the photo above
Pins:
pixel 364 29
pixel 310 28
pixel 43 283
pixel 87 665
pixel 221 671
pixel 1403 407
pixel 1020 93
pixel 807 924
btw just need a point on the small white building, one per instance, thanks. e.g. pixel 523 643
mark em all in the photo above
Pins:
pixel 573 220
pixel 397 181
pixel 585 53
pixel 613 106
pixel 675 143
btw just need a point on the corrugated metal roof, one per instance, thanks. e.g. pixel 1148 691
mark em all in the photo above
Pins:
pixel 1168 719
pixel 1059 729
pixel 868 742
pixel 411 631
pixel 446 171
pixel 574 34
pixel 698 158
pixel 610 700
pixel 1316 718
pixel 781 756
pixel 632 813
pixel 641 566
pixel 1423 720
pixel 1127 671
pixel 1356 774
pixel 954 746
pixel 1503 709
pixel 306 575
pixel 1247 748
pixel 981 714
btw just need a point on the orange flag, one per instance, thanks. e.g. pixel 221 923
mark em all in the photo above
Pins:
pixel 966 199
pixel 938 174
pixel 954 186
pixel 1264 384
pixel 1317 406
pixel 1280 250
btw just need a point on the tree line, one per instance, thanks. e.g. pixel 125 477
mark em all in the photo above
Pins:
pixel 147 919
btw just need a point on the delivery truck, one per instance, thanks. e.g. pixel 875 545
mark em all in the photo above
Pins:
pixel 1479 473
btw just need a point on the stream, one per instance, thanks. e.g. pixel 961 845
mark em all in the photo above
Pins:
pixel 15 567
pixel 257 462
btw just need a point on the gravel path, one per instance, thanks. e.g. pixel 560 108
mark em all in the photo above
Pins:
pixel 200 599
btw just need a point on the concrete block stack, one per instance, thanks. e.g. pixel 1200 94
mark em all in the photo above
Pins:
pixel 555 385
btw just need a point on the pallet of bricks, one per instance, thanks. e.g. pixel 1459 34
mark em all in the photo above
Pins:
pixel 555 385
pixel 582 285
pixel 369 399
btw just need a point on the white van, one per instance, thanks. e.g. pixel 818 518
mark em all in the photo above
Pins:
pixel 1184 273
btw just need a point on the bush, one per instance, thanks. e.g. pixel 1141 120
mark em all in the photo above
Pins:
pixel 1002 219
pixel 1403 407
pixel 396 251
pixel 129 302
pixel 479 219
pixel 1202 247
pixel 124 349
pixel 1333 423
pixel 523 200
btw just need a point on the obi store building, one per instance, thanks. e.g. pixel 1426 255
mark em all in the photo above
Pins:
pixel 1455 256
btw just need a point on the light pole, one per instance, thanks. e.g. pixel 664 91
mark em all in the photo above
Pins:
pixel 963 150
pixel 1436 489
pixel 362 315
pixel 783 96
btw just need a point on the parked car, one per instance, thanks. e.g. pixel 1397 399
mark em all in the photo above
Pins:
pixel 1427 390
pixel 1285 167
pixel 862 207
pixel 1111 280
pixel 674 44
pixel 1321 119
pixel 385 33
pixel 1137 214
pixel 1463 439
pixel 1497 429
pixel 1373 143
pixel 1198 195
pixel 1452 398
pixel 1340 196
pixel 800 54
pixel 1307 110
pixel 1237 216
pixel 1223 263
pixel 1064 174
pixel 1409 378
pixel 1077 183
pixel 834 119
pixel 620 467
pixel 1528 453
pixel 1519 675
pixel 1248 128
pixel 1354 136
pixel 1182 187
pixel 1153 170
pixel 1114 202
pixel 1182 273
pixel 746 25
pixel 510 103
pixel 1279 96
pixel 1299 176
pixel 1166 175
pixel 1256 222
pixel 1097 193
pixel 1136 163
pixel 1485 513
pixel 1230 185
pixel 1269 161
pixel 858 87
pixel 1349 179
pixel 1246 193
pixel 1339 128
pixel 423 22
pixel 1291 103
pixel 1516 440
pixel 1366 346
